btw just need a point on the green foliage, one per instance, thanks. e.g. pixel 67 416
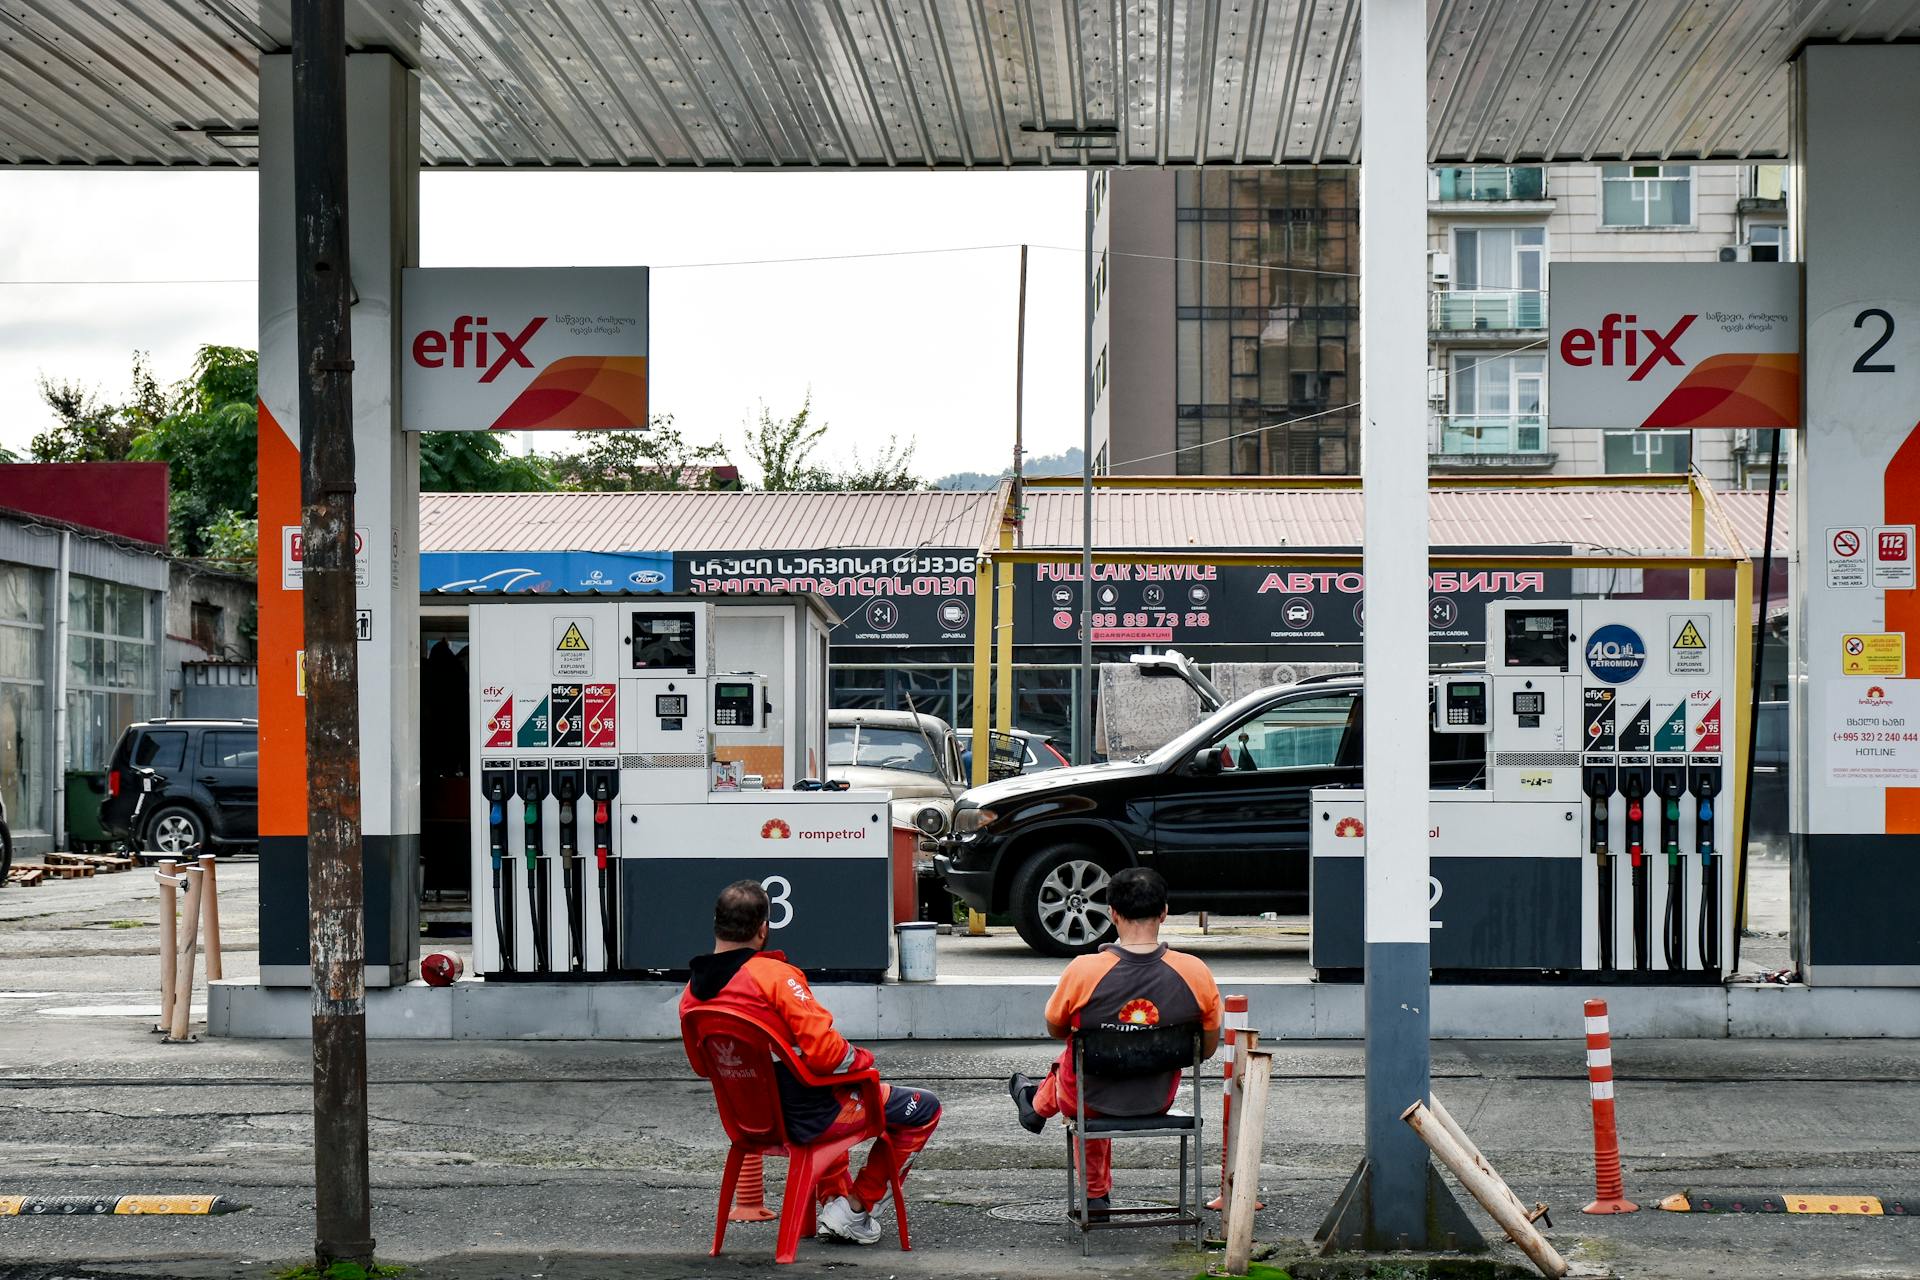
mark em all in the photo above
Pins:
pixel 478 462
pixel 341 1271
pixel 783 449
pixel 233 541
pixel 86 430
pixel 657 459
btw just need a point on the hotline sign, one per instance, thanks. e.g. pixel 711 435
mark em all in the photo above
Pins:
pixel 496 716
pixel 598 709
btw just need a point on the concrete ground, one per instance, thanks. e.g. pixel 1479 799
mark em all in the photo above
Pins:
pixel 576 1159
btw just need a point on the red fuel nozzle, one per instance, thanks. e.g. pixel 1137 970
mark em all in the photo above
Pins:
pixel 600 812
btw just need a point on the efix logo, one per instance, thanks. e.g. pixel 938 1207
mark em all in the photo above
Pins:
pixel 466 345
pixel 775 829
pixel 1620 335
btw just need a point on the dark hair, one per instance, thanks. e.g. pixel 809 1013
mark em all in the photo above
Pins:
pixel 1138 893
pixel 739 911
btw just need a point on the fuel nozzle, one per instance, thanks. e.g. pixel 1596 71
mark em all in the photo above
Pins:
pixel 1670 781
pixel 1633 785
pixel 1598 780
pixel 1704 782
pixel 566 790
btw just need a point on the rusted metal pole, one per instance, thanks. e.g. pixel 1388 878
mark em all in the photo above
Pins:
pixel 336 925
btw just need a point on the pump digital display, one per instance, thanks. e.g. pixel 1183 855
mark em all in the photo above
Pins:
pixel 663 642
pixel 1536 639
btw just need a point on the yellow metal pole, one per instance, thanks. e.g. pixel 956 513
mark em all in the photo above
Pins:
pixel 1003 649
pixel 1696 539
pixel 982 692
pixel 1746 627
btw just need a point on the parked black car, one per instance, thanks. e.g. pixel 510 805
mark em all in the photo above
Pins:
pixel 173 784
pixel 1221 811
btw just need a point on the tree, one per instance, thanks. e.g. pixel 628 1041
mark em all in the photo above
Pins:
pixel 656 459
pixel 478 462
pixel 207 438
pixel 85 430
pixel 783 449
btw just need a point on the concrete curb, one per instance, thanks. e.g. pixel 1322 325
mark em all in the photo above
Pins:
pixel 1010 1009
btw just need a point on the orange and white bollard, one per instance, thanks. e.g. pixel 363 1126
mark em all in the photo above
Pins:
pixel 1609 1194
pixel 750 1193
pixel 1234 1022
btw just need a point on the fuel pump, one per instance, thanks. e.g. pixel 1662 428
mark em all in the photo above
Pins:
pixel 603 784
pixel 567 777
pixel 1670 782
pixel 532 780
pixel 1704 782
pixel 1599 782
pixel 1634 781
pixel 496 784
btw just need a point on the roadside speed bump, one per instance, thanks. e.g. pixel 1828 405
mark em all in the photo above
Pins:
pixel 115 1206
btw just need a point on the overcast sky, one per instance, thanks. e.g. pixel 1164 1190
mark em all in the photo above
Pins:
pixel 920 346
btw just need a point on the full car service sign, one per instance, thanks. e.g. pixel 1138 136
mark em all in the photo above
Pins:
pixel 523 348
pixel 1674 346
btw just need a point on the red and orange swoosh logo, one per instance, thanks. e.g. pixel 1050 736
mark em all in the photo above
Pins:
pixel 581 393
pixel 1757 391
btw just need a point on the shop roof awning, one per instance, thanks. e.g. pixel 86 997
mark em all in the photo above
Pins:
pixel 759 84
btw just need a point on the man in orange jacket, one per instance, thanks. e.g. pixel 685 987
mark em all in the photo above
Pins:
pixel 740 975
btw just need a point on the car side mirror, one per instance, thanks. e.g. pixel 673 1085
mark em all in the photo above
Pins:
pixel 1206 761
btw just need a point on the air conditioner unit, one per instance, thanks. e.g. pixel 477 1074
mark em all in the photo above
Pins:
pixel 1737 253
pixel 1440 267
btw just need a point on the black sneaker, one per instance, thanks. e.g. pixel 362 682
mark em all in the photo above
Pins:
pixel 1021 1090
pixel 1099 1209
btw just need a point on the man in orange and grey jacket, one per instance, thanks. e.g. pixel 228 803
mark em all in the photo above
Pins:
pixel 740 974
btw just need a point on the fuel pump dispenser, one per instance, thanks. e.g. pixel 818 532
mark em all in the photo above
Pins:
pixel 496 784
pixel 673 729
pixel 1607 709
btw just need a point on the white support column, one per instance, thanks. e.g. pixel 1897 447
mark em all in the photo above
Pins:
pixel 383 121
pixel 1395 1201
pixel 1856 816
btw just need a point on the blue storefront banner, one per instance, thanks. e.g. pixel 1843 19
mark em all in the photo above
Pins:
pixel 540 572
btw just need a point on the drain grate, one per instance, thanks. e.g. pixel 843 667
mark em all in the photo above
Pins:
pixel 1054 1212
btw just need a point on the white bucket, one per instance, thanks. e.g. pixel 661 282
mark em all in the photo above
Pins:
pixel 918 959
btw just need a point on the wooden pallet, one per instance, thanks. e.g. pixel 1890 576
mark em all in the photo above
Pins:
pixel 56 871
pixel 25 877
pixel 99 862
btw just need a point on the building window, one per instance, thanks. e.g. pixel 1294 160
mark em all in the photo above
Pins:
pixel 206 626
pixel 1652 452
pixel 1768 242
pixel 1499 257
pixel 1499 403
pixel 1101 466
pixel 23 671
pixel 1646 195
pixel 110 666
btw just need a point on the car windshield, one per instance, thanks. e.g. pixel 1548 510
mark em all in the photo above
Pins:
pixel 875 748
pixel 1207 731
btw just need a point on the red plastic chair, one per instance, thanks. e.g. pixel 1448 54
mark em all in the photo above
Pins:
pixel 738 1052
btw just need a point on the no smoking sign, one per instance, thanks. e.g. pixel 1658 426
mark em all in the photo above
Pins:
pixel 1846 543
pixel 1847 567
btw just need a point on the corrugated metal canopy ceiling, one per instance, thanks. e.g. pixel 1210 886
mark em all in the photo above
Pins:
pixel 939 83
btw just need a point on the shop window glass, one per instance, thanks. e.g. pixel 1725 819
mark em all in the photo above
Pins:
pixel 23 765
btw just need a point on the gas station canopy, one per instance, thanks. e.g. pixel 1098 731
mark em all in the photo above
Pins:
pixel 757 84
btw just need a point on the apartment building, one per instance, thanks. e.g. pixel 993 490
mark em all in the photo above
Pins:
pixel 1493 233
pixel 1226 322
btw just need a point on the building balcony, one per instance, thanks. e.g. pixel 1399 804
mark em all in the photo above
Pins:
pixel 1481 185
pixel 1490 441
pixel 1459 312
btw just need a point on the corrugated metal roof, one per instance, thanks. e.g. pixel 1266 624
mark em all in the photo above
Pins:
pixel 934 83
pixel 1641 520
pixel 702 521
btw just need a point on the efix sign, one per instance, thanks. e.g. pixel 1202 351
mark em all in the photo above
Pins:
pixel 523 349
pixel 1674 346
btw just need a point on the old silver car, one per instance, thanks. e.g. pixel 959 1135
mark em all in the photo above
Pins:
pixel 916 757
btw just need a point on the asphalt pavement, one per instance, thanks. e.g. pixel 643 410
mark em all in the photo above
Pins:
pixel 576 1159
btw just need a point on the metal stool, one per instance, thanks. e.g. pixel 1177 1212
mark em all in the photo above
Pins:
pixel 1129 1053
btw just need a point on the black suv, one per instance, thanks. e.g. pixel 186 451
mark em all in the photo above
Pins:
pixel 173 784
pixel 1221 811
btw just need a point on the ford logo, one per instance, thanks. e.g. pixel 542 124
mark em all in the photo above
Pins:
pixel 646 577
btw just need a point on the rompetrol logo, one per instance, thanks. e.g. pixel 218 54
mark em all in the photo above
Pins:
pixel 775 829
pixel 1348 827
pixel 1620 335
pixel 470 344
pixel 1616 653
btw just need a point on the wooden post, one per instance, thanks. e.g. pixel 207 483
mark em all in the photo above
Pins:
pixel 210 916
pixel 1244 1188
pixel 169 942
pixel 183 988
pixel 1494 1195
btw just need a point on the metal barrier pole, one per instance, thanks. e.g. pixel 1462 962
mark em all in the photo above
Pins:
pixel 1234 1024
pixel 183 990
pixel 1609 1194
pixel 169 943
pixel 210 916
